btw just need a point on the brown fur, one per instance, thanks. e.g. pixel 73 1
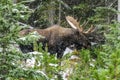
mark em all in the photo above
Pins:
pixel 58 38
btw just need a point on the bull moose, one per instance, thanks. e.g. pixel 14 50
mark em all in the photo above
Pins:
pixel 58 38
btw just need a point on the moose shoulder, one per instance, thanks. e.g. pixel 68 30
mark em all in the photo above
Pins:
pixel 58 38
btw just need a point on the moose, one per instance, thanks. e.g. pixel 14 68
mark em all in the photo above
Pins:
pixel 58 38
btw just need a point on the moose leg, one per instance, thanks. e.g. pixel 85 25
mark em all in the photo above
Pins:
pixel 55 50
pixel 60 54
pixel 60 51
pixel 26 48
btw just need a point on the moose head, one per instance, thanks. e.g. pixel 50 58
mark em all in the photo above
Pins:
pixel 58 38
pixel 93 36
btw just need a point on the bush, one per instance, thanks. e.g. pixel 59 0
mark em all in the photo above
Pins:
pixel 106 64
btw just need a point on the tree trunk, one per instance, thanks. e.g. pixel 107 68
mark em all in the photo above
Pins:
pixel 51 13
pixel 119 10
pixel 59 21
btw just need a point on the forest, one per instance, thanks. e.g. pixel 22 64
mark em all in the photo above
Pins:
pixel 59 39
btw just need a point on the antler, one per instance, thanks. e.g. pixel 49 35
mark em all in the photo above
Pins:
pixel 91 29
pixel 75 24
pixel 85 23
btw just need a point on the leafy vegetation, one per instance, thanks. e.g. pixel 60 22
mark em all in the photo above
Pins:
pixel 100 63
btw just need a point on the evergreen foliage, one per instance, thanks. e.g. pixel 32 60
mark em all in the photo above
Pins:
pixel 100 63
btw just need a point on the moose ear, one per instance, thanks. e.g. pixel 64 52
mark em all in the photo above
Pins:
pixel 72 22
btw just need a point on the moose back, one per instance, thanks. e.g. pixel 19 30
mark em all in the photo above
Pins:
pixel 58 38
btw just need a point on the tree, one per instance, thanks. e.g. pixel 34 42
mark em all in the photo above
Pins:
pixel 10 57
pixel 118 10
